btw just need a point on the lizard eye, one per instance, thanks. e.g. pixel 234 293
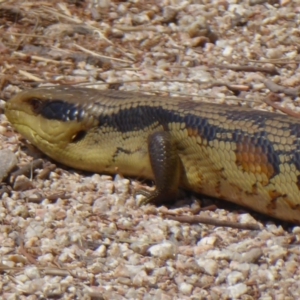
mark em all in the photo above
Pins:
pixel 36 104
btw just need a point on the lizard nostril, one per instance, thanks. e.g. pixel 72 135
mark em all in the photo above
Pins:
pixel 77 137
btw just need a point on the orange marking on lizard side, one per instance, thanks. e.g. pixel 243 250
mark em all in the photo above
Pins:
pixel 252 159
pixel 192 132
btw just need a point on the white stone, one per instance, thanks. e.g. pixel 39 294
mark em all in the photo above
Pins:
pixel 185 288
pixel 209 266
pixel 234 277
pixel 164 250
pixel 237 290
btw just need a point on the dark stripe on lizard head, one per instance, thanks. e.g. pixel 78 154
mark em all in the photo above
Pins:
pixel 56 110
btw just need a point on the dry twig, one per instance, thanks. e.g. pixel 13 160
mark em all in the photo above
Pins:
pixel 26 170
pixel 48 168
pixel 270 101
pixel 276 88
pixel 242 68
pixel 23 251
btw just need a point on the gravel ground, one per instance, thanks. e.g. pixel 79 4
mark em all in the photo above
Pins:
pixel 71 235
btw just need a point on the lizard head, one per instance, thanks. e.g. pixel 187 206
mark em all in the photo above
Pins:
pixel 52 118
